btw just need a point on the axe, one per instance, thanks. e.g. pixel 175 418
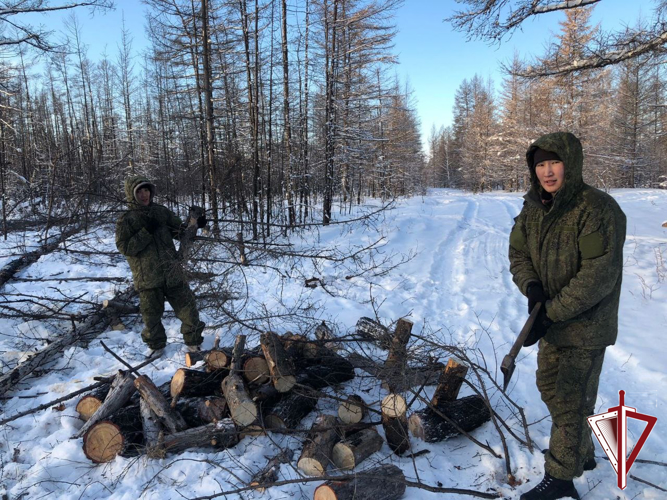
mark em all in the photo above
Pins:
pixel 508 364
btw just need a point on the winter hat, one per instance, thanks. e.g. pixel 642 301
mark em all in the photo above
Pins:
pixel 146 184
pixel 541 155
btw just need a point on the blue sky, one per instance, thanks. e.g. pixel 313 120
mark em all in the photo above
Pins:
pixel 433 58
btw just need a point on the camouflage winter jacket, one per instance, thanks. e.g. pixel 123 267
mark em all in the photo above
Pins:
pixel 575 249
pixel 152 257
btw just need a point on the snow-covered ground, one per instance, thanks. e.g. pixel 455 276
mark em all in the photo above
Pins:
pixel 455 287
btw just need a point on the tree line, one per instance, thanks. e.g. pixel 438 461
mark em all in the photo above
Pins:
pixel 266 112
pixel 618 112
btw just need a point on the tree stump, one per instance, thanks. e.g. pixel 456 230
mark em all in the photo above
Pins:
pixel 395 423
pixel 280 366
pixel 356 448
pixel 385 482
pixel 468 413
pixel 353 410
pixel 316 454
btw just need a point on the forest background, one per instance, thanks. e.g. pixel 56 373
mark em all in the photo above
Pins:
pixel 293 109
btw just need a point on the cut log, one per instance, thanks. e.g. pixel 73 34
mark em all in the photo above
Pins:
pixel 212 410
pixel 222 434
pixel 395 423
pixel 280 367
pixel 414 376
pixel 332 370
pixel 467 413
pixel 192 383
pixel 96 323
pixel 294 343
pixel 120 391
pixel 385 482
pixel 318 448
pixel 256 370
pixel 171 419
pixel 149 423
pixel 269 474
pixel 119 434
pixel 397 360
pixel 450 382
pixel 90 403
pixel 353 410
pixel 356 448
pixel 118 307
pixel 241 406
pixel 371 330
pixel 215 359
pixel 290 410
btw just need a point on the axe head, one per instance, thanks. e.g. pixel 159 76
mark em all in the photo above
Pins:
pixel 507 367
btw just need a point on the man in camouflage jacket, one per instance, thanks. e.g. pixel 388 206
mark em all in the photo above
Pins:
pixel 566 252
pixel 144 235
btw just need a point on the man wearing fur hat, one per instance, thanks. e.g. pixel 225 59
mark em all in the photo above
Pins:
pixel 566 252
pixel 144 235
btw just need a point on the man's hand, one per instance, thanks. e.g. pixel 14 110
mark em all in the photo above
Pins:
pixel 540 327
pixel 152 225
pixel 535 294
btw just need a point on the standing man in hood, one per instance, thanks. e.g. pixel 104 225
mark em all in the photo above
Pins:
pixel 144 235
pixel 566 252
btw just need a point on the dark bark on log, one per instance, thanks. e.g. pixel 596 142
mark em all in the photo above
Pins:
pixel 468 413
pixel 373 331
pixel 414 376
pixel 189 409
pixel 8 271
pixel 395 423
pixel 119 434
pixel 95 324
pixel 212 410
pixel 353 410
pixel 450 382
pixel 269 474
pixel 332 370
pixel 397 360
pixel 281 368
pixel 318 448
pixel 291 409
pixel 385 482
pixel 356 448
pixel 172 421
pixel 120 307
pixel 222 434
pixel 193 383
pixel 120 391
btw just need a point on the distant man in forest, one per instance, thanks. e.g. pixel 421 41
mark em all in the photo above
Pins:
pixel 144 235
pixel 566 252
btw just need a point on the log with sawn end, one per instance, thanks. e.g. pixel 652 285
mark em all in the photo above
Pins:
pixel 222 434
pixel 371 330
pixel 120 391
pixel 449 383
pixel 171 419
pixel 467 413
pixel 317 451
pixel 242 408
pixel 353 410
pixel 280 366
pixel 395 423
pixel 118 434
pixel 215 359
pixel 414 376
pixel 190 383
pixel 356 448
pixel 396 364
pixel 291 409
pixel 213 409
pixel 90 403
pixel 385 482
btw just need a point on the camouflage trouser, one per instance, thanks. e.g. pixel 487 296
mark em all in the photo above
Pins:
pixel 567 378
pixel 183 302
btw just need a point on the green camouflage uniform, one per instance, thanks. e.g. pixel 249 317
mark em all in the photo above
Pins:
pixel 574 247
pixel 156 271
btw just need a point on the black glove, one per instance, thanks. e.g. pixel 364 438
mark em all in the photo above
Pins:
pixel 535 294
pixel 152 225
pixel 540 327
pixel 201 221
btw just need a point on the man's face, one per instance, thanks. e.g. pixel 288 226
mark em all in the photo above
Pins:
pixel 144 196
pixel 551 174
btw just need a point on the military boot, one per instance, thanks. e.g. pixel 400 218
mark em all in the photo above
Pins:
pixel 551 488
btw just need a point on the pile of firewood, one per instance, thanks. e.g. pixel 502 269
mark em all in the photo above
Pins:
pixel 273 387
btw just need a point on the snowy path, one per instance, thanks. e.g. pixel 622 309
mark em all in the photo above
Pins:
pixel 456 288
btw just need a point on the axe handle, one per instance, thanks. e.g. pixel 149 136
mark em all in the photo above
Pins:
pixel 518 344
